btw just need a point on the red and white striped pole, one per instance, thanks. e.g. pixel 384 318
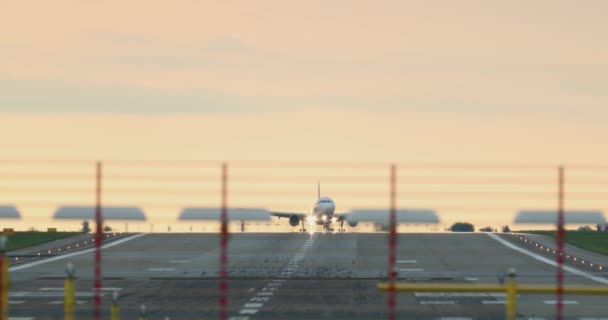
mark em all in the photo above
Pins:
pixel 560 245
pixel 224 246
pixel 392 244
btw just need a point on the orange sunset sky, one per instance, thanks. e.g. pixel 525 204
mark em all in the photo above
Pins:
pixel 339 81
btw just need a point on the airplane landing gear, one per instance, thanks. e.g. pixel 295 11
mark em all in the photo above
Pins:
pixel 303 229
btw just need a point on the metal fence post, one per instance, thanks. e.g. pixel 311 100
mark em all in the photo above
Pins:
pixel 392 244
pixel 511 295
pixel 69 288
pixel 560 246
pixel 224 245
pixel 98 240
pixel 3 279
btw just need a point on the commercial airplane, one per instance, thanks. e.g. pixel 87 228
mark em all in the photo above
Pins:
pixel 323 214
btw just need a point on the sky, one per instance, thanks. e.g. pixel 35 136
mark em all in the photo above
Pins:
pixel 381 81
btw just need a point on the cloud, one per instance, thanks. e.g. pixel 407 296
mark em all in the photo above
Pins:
pixel 135 51
pixel 61 97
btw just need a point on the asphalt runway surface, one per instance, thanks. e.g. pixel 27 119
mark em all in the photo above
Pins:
pixel 294 276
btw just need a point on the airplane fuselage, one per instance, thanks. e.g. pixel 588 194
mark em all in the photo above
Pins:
pixel 323 212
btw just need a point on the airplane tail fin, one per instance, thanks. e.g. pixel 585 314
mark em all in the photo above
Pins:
pixel 318 190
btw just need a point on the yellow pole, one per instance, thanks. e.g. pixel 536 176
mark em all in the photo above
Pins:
pixel 68 302
pixel 4 278
pixel 115 309
pixel 511 296
pixel 142 312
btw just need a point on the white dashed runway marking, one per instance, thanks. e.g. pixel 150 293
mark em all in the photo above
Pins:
pixel 564 302
pixel 438 302
pixel 265 294
pixel 162 269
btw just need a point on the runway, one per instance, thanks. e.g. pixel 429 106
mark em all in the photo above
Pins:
pixel 295 276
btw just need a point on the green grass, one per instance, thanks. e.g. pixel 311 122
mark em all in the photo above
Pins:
pixel 26 239
pixel 589 240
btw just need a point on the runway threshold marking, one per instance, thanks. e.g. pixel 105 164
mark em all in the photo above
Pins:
pixel 547 261
pixel 266 293
pixel 72 254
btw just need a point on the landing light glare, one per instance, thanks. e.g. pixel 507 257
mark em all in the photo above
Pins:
pixel 311 220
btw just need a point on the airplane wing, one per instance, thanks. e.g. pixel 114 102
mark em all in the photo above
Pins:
pixel 288 214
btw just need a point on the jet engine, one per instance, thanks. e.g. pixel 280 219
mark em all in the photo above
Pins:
pixel 353 223
pixel 294 221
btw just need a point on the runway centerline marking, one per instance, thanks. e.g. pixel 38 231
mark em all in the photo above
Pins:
pixel 406 261
pixel 161 269
pixel 438 302
pixel 267 292
pixel 547 261
pixel 411 270
pixel 72 254
pixel 564 302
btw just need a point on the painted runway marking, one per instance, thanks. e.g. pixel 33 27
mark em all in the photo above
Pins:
pixel 438 302
pixel 16 301
pixel 51 289
pixel 108 289
pixel 50 294
pixel 179 261
pixel 411 270
pixel 265 294
pixel 63 256
pixel 259 299
pixel 470 279
pixel 547 261
pixel 161 269
pixel 248 311
pixel 493 302
pixel 21 318
pixel 564 302
pixel 406 261
pixel 455 318
pixel 458 294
